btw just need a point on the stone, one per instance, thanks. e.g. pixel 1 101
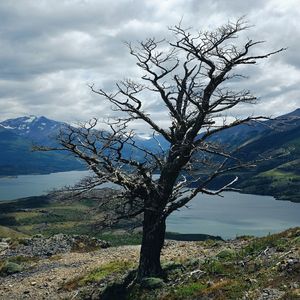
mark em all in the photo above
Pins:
pixel 59 243
pixel 294 285
pixel 4 246
pixel 251 280
pixel 6 240
pixel 152 283
pixel 209 283
pixel 197 274
pixel 270 294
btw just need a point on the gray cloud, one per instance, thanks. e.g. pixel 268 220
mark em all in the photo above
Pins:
pixel 51 50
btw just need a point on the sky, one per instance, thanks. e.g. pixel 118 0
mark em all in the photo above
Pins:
pixel 51 51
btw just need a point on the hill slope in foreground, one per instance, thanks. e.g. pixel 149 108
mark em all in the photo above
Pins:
pixel 60 265
pixel 244 268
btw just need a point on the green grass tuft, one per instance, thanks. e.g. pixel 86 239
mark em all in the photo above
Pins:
pixel 110 269
pixel 188 290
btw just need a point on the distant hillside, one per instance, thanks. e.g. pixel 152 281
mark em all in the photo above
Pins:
pixel 253 131
pixel 279 176
pixel 278 139
pixel 17 136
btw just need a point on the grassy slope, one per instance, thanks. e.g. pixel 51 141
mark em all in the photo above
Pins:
pixel 40 215
pixel 256 264
pixel 280 176
pixel 282 182
pixel 8 232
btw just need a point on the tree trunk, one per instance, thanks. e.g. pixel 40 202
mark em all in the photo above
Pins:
pixel 154 229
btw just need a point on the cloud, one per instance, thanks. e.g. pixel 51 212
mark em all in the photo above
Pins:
pixel 51 50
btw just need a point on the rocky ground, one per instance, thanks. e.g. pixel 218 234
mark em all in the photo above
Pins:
pixel 44 279
pixel 53 262
pixel 64 267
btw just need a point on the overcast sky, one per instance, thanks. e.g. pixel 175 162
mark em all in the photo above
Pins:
pixel 52 49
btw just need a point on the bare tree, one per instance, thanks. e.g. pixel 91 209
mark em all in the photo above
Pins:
pixel 189 77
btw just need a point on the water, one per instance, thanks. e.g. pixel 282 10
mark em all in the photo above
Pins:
pixel 233 215
pixel 36 185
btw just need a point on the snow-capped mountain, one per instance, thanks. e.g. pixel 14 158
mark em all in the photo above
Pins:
pixel 17 136
pixel 35 129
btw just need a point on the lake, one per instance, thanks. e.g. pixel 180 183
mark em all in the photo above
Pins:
pixel 233 215
pixel 36 185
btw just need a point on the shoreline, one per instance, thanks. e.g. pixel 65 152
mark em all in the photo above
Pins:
pixel 245 191
pixel 46 194
pixel 40 173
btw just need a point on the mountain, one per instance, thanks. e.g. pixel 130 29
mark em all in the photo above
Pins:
pixel 252 131
pixel 277 139
pixel 280 175
pixel 20 134
pixel 38 129
pixel 17 137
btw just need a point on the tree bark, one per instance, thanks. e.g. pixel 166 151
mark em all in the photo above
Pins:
pixel 154 229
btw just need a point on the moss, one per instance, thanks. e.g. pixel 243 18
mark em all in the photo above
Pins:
pixel 23 259
pixel 100 273
pixel 228 274
pixel 257 245
pixel 211 244
pixel 225 289
pixel 16 264
pixel 187 290
pixel 55 257
pixel 213 266
pixel 296 241
pixel 108 269
pixel 193 262
pixel 227 255
pixel 9 268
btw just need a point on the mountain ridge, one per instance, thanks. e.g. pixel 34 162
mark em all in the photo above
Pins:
pixel 279 137
pixel 17 138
